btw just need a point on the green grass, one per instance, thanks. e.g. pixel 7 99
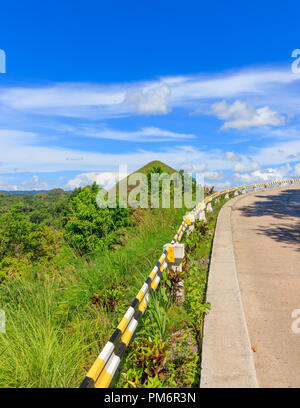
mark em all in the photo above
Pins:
pixel 170 330
pixel 54 332
pixel 38 349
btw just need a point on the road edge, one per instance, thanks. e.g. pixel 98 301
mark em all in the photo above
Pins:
pixel 227 360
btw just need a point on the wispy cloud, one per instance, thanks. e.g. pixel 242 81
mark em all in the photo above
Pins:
pixel 158 96
pixel 146 134
pixel 25 156
pixel 260 84
pixel 40 123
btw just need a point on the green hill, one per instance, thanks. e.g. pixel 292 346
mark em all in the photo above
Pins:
pixel 155 163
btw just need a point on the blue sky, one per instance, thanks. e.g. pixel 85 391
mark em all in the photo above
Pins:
pixel 90 85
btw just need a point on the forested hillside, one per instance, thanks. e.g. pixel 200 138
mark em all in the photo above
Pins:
pixel 43 228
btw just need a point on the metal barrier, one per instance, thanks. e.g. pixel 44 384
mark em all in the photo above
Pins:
pixel 102 371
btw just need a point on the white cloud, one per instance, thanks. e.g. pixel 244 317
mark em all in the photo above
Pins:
pixel 22 155
pixel 239 115
pixel 231 156
pixel 150 102
pixel 105 179
pixel 297 170
pixel 242 163
pixel 213 175
pixel 155 97
pixel 61 95
pixel 293 156
pixel 247 165
pixel 11 136
pixel 220 186
pixel 254 81
pixel 277 153
pixel 193 167
pixel 264 175
pixel 32 184
pixel 201 168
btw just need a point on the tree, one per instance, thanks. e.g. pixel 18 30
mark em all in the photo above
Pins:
pixel 87 227
pixel 23 242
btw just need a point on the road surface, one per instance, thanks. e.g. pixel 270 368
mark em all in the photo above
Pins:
pixel 266 242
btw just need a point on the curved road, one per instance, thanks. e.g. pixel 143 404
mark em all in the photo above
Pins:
pixel 266 240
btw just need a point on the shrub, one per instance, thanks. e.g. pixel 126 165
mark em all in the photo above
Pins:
pixel 23 242
pixel 87 227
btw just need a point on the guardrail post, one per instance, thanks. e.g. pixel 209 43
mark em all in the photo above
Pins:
pixel 190 219
pixel 174 259
pixel 175 254
pixel 201 216
pixel 209 207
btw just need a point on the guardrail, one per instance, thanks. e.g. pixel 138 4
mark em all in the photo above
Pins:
pixel 102 371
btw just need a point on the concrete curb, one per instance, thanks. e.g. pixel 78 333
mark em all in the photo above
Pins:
pixel 227 360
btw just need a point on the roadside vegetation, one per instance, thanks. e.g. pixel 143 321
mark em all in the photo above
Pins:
pixel 166 350
pixel 68 272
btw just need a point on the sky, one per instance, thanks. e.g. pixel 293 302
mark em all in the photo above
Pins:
pixel 89 86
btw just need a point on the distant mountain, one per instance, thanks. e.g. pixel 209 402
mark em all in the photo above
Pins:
pixel 29 192
pixel 155 163
pixel 54 191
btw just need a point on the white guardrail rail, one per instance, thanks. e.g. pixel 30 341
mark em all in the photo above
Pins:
pixel 102 371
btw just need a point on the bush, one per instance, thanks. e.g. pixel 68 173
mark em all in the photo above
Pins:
pixel 87 227
pixel 24 242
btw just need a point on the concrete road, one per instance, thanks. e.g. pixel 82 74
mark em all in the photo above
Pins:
pixel 266 241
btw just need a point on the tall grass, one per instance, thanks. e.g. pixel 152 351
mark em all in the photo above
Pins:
pixel 37 350
pixel 170 329
pixel 54 332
